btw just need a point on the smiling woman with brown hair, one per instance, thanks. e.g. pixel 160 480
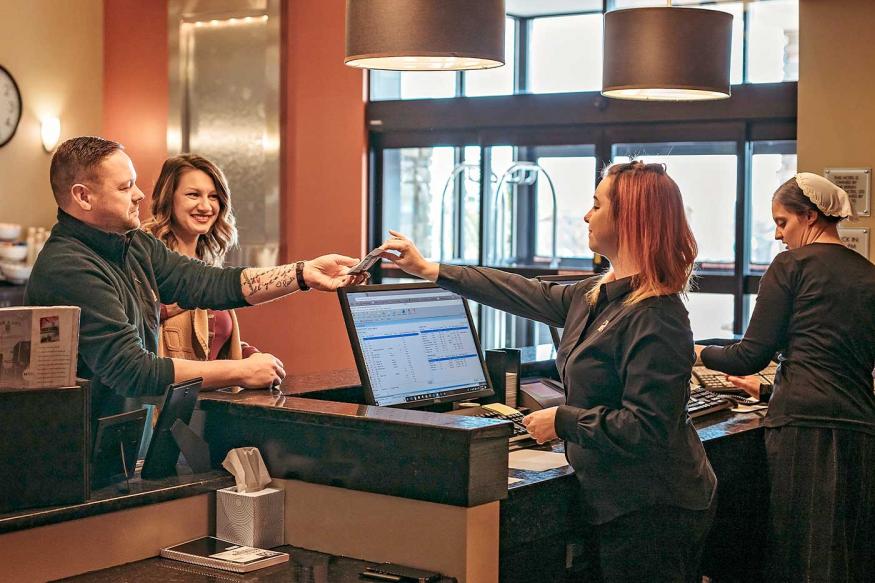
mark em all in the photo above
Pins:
pixel 192 215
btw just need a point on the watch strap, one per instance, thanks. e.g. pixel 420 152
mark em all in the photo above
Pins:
pixel 299 275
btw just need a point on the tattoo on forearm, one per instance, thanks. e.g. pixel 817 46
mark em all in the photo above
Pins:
pixel 252 284
pixel 272 278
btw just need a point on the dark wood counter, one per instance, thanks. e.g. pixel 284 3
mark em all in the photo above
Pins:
pixel 114 497
pixel 448 459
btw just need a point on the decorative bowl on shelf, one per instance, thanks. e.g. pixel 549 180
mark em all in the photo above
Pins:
pixel 13 251
pixel 9 231
pixel 15 272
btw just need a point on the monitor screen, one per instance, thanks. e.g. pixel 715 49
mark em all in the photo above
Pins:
pixel 414 344
pixel 556 333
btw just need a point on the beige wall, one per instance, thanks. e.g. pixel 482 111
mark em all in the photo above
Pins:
pixel 54 50
pixel 836 125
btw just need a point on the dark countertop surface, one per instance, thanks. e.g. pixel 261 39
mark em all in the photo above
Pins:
pixel 303 567
pixel 115 497
pixel 710 428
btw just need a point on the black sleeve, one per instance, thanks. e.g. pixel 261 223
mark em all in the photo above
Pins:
pixel 767 331
pixel 654 360
pixel 546 302
pixel 192 283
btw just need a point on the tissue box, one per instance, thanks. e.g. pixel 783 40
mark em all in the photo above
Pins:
pixel 254 519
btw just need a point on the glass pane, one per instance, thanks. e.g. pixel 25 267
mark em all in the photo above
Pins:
pixel 412 84
pixel 710 315
pixel 413 182
pixel 773 163
pixel 736 9
pixel 498 81
pixel 773 41
pixel 566 53
pixel 500 210
pixel 470 252
pixel 706 174
pixel 573 178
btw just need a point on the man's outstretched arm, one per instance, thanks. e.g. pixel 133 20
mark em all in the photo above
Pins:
pixel 325 273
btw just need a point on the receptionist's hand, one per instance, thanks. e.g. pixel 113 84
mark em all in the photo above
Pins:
pixel 407 257
pixel 749 384
pixel 542 424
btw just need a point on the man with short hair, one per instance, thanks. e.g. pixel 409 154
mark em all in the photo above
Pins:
pixel 97 258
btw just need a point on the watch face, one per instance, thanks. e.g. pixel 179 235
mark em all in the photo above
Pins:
pixel 10 106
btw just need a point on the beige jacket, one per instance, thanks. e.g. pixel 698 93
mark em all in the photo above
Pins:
pixel 187 335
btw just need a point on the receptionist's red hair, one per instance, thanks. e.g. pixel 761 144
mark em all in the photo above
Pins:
pixel 648 213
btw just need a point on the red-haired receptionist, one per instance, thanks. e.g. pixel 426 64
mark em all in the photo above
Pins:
pixel 625 359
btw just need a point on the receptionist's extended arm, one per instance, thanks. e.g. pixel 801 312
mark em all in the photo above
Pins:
pixel 529 298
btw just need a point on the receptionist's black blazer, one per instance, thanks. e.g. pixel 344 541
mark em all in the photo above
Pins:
pixel 626 371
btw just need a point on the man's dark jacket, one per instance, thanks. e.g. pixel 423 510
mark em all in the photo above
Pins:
pixel 120 282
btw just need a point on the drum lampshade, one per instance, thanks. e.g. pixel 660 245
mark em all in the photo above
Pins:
pixel 667 54
pixel 425 35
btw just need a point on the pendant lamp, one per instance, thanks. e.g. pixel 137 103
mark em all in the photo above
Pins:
pixel 667 54
pixel 424 35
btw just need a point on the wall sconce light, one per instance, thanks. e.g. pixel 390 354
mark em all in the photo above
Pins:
pixel 424 35
pixel 667 54
pixel 50 131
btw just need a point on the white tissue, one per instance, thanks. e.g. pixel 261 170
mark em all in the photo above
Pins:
pixel 248 469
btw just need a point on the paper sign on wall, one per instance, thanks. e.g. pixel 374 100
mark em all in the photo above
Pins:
pixel 856 239
pixel 854 181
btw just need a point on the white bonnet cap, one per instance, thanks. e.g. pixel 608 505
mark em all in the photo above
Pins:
pixel 826 196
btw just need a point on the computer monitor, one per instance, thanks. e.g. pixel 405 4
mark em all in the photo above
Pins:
pixel 556 333
pixel 163 453
pixel 414 345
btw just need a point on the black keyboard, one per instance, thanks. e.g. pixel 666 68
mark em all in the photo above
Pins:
pixel 703 402
pixel 715 381
pixel 515 419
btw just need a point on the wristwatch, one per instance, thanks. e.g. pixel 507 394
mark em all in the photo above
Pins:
pixel 299 275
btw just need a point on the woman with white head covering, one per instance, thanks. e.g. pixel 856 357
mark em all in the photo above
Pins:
pixel 816 308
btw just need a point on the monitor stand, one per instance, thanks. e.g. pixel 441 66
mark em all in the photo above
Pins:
pixel 192 446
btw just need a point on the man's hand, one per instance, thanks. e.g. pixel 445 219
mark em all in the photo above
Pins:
pixel 329 272
pixel 326 273
pixel 261 370
pixel 408 257
pixel 542 424
pixel 749 384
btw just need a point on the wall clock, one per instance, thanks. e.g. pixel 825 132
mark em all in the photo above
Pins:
pixel 10 106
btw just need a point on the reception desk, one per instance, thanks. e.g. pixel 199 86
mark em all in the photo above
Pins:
pixel 379 484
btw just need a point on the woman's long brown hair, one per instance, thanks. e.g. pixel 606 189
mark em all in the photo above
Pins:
pixel 212 247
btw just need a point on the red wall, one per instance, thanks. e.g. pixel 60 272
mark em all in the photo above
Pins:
pixel 135 84
pixel 323 156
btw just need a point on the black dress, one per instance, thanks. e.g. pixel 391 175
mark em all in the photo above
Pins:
pixel 816 307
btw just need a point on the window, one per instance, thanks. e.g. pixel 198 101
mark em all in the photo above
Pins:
pixel 711 315
pixel 706 175
pixel 414 185
pixel 772 164
pixel 566 53
pixel 497 81
pixel 773 41
pixel 569 173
